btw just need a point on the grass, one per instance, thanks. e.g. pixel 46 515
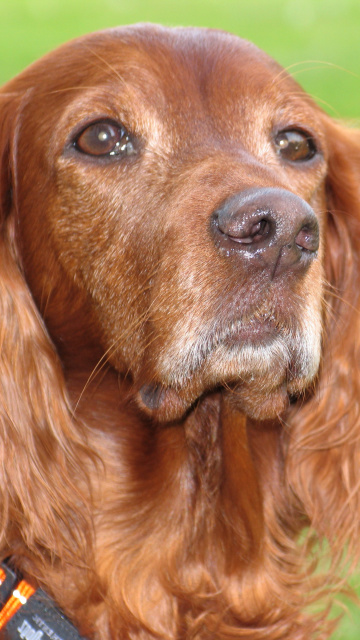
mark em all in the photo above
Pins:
pixel 318 40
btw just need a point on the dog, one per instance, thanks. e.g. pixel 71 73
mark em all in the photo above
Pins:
pixel 180 338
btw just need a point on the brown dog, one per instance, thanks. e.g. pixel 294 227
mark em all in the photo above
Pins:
pixel 180 336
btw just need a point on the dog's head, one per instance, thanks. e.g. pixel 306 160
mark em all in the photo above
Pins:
pixel 168 198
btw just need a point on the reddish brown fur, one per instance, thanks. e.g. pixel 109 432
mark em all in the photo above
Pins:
pixel 178 520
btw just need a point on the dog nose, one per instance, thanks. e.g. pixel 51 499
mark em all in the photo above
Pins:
pixel 273 226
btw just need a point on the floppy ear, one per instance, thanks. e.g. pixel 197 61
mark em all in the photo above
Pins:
pixel 41 445
pixel 324 448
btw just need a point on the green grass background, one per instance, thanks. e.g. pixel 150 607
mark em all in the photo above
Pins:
pixel 318 40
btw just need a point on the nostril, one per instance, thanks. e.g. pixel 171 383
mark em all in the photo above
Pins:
pixel 260 230
pixel 307 238
pixel 246 229
pixel 257 232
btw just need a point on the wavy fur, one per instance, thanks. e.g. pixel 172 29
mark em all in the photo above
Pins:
pixel 154 478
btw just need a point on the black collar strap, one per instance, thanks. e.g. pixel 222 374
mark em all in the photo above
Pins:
pixel 29 614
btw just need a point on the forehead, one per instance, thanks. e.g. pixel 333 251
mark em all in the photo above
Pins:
pixel 157 49
pixel 183 60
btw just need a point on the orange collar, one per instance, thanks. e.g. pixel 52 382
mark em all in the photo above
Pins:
pixel 30 614
pixel 18 596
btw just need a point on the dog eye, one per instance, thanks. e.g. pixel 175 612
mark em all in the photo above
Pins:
pixel 105 139
pixel 295 146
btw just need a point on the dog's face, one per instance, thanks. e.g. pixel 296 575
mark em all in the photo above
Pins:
pixel 179 192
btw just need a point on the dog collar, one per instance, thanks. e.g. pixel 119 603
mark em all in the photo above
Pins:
pixel 30 614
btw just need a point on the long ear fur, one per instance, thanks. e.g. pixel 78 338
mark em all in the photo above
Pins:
pixel 42 447
pixel 324 446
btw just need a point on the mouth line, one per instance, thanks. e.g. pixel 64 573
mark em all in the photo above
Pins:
pixel 258 331
pixel 254 353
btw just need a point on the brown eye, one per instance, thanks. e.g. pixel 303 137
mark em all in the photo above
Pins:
pixel 104 139
pixel 295 146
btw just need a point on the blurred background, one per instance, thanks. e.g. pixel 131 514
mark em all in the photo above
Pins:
pixel 317 40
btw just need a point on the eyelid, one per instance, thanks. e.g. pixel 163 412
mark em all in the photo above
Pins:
pixel 305 129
